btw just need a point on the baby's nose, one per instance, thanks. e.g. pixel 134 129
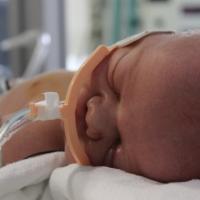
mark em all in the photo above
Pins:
pixel 100 118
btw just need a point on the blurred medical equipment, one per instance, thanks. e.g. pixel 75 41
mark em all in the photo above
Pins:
pixel 42 43
pixel 120 19
pixel 174 14
pixel 116 19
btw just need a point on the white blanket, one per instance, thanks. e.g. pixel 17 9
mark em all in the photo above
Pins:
pixel 29 179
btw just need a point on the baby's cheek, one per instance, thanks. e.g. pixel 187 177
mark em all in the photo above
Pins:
pixel 124 158
pixel 165 162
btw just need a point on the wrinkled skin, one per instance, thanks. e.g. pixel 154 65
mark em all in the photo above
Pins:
pixel 141 112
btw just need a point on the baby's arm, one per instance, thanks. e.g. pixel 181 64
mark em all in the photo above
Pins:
pixel 37 137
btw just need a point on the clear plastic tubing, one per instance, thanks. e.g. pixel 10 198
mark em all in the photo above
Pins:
pixel 13 125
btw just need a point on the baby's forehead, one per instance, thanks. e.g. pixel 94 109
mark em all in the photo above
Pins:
pixel 168 44
pixel 136 48
pixel 148 41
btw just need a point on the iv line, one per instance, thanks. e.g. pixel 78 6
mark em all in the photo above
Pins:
pixel 13 124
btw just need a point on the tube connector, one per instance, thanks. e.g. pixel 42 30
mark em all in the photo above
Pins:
pixel 48 109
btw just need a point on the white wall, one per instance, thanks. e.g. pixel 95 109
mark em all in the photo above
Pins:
pixel 78 31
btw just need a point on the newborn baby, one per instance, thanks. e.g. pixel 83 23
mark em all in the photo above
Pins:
pixel 141 113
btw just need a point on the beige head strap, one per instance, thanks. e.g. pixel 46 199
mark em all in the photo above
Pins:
pixel 82 77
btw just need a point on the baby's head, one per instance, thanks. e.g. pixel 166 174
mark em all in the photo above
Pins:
pixel 141 112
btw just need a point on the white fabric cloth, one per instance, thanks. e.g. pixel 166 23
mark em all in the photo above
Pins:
pixel 101 183
pixel 44 178
pixel 27 179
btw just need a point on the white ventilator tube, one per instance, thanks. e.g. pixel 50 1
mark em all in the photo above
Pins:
pixel 51 108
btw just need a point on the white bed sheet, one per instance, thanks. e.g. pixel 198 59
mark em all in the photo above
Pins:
pixel 44 177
